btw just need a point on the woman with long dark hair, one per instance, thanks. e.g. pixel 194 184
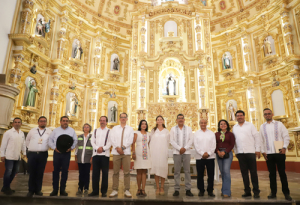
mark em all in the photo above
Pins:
pixel 159 144
pixel 141 156
pixel 225 141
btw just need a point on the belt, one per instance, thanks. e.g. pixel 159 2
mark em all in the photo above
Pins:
pixel 38 152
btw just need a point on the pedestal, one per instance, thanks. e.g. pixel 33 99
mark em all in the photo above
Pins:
pixel 7 100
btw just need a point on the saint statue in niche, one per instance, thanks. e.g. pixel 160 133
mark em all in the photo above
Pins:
pixel 113 113
pixel 116 64
pixel 267 44
pixel 73 105
pixel 171 86
pixel 231 112
pixel 42 27
pixel 226 61
pixel 32 93
pixel 77 50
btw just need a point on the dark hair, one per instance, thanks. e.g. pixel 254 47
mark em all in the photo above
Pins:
pixel 240 111
pixel 164 126
pixel 88 125
pixel 267 109
pixel 124 113
pixel 105 117
pixel 228 128
pixel 17 118
pixel 64 117
pixel 140 125
pixel 180 115
pixel 41 118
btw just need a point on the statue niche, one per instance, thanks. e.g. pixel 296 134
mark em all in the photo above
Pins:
pixel 227 61
pixel 115 63
pixel 231 108
pixel 72 104
pixel 269 46
pixel 30 92
pixel 112 112
pixel 41 27
pixel 77 50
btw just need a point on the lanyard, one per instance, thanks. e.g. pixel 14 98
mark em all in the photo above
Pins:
pixel 40 133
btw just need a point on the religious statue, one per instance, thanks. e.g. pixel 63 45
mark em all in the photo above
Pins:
pixel 116 64
pixel 275 81
pixel 42 27
pixel 171 86
pixel 231 112
pixel 113 113
pixel 268 48
pixel 226 61
pixel 73 105
pixel 32 93
pixel 78 51
pixel 33 69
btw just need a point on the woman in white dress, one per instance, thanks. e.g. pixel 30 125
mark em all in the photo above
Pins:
pixel 159 144
pixel 141 156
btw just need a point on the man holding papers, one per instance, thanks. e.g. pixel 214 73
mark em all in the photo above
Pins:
pixel 275 140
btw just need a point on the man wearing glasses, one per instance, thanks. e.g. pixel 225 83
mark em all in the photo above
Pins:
pixel 274 133
pixel 121 137
pixel 247 148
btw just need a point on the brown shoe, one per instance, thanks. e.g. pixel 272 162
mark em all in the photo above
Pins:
pixel 226 196
pixel 143 193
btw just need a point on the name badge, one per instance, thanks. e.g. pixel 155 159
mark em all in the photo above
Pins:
pixel 41 141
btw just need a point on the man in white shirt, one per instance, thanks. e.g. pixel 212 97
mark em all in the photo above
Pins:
pixel 205 146
pixel 61 160
pixel 37 144
pixel 13 142
pixel 181 140
pixel 101 152
pixel 270 132
pixel 247 148
pixel 121 137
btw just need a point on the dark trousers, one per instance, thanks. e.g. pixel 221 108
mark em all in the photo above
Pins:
pixel 248 163
pixel 11 168
pixel 36 163
pixel 61 163
pixel 100 163
pixel 279 161
pixel 84 175
pixel 210 167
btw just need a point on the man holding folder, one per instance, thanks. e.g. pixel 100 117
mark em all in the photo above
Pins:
pixel 275 140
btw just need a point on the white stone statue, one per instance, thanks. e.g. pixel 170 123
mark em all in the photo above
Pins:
pixel 73 105
pixel 226 62
pixel 116 64
pixel 77 51
pixel 231 112
pixel 268 48
pixel 171 86
pixel 113 113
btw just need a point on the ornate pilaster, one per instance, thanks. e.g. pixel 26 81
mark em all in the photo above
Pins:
pixel 295 75
pixel 246 51
pixel 141 115
pixel 97 56
pixel 251 90
pixel 287 30
pixel 62 41
pixel 16 71
pixel 93 107
pixel 26 16
pixel 198 34
pixel 54 94
pixel 143 36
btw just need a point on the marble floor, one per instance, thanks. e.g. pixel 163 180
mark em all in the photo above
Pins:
pixel 20 185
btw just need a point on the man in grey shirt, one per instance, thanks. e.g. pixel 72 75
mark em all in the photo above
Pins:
pixel 61 160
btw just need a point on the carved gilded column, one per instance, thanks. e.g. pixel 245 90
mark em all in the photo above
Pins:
pixel 26 16
pixel 62 41
pixel 93 107
pixel 141 111
pixel 54 94
pixel 287 30
pixel 295 75
pixel 198 34
pixel 97 56
pixel 246 51
pixel 143 36
pixel 16 71
pixel 251 90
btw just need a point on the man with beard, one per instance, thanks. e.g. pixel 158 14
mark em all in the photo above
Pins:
pixel 37 144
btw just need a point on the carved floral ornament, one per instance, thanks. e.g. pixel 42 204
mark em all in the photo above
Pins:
pixel 170 10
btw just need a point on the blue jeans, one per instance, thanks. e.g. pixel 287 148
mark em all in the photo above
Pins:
pixel 224 166
pixel 11 168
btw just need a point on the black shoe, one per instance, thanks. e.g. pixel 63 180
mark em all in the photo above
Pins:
pixel 54 193
pixel 272 196
pixel 256 196
pixel 104 195
pixel 2 190
pixel 211 194
pixel 189 193
pixel 246 194
pixel 288 197
pixel 93 194
pixel 39 193
pixel 176 193
pixel 201 193
pixel 8 192
pixel 63 193
pixel 30 194
pixel 79 192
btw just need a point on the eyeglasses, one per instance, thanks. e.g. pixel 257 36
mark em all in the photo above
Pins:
pixel 123 117
pixel 265 114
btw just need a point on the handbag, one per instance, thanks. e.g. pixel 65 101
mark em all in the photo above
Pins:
pixel 226 156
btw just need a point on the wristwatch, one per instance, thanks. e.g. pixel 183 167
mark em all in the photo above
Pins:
pixel 123 147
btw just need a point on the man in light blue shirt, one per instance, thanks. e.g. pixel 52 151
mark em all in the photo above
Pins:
pixel 61 160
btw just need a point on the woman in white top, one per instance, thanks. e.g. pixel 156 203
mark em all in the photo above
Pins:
pixel 141 156
pixel 159 144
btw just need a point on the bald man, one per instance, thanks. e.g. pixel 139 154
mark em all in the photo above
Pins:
pixel 205 146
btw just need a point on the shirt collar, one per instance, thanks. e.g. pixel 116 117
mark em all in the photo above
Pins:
pixel 245 123
pixel 273 121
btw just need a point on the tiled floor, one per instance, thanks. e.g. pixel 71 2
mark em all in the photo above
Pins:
pixel 20 185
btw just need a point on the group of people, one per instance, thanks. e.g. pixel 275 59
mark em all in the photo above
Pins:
pixel 149 150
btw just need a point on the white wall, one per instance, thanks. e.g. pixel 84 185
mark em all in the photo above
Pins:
pixel 7 10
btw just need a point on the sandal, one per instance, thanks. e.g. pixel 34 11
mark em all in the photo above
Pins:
pixel 138 193
pixel 143 193
pixel 161 192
